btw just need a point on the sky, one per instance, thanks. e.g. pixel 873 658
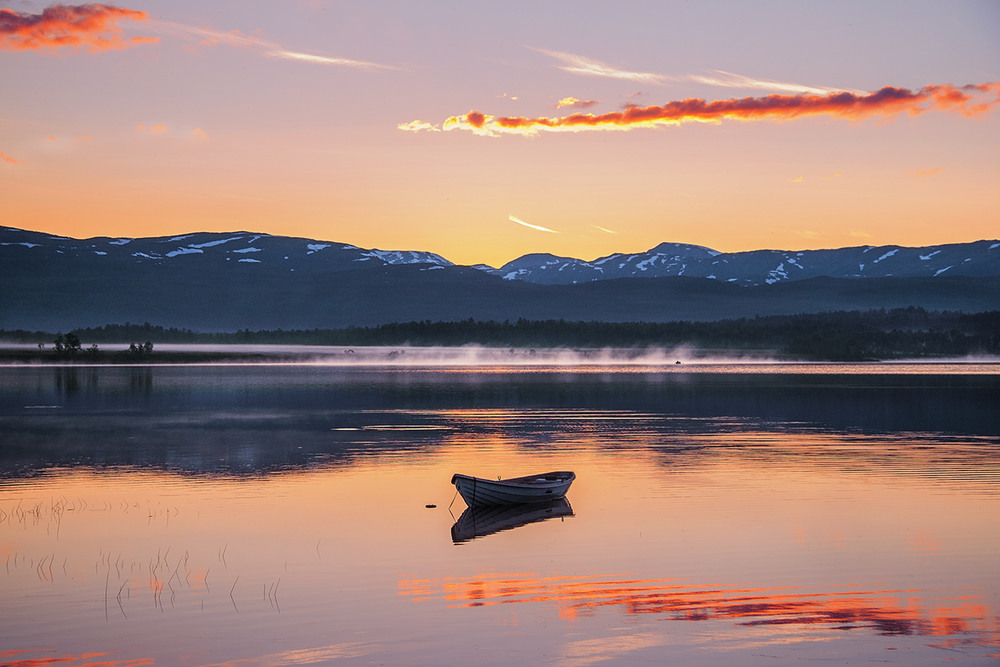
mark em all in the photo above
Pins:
pixel 485 131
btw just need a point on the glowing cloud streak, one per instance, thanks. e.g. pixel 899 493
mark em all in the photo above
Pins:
pixel 92 26
pixel 326 60
pixel 969 100
pixel 716 77
pixel 210 36
pixel 8 159
pixel 531 226
pixel 576 64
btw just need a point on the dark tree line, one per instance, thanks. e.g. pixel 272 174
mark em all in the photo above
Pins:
pixel 836 336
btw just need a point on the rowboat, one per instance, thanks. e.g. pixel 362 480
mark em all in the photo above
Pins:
pixel 513 491
pixel 482 520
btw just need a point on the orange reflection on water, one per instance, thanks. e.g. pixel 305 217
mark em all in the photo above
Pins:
pixel 888 612
pixel 81 660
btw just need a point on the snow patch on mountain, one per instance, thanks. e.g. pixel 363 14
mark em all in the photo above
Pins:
pixel 408 257
pixel 886 255
pixel 776 274
pixel 644 264
pixel 211 244
pixel 185 251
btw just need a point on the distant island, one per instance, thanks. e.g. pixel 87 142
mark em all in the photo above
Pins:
pixel 905 333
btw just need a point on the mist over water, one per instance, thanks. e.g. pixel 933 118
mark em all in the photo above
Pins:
pixel 472 355
pixel 683 358
pixel 722 513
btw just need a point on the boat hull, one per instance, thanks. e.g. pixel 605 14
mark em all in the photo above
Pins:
pixel 516 491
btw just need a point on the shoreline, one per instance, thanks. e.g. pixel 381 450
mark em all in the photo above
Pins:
pixel 470 357
pixel 10 357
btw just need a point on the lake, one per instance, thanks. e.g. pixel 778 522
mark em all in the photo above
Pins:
pixel 300 514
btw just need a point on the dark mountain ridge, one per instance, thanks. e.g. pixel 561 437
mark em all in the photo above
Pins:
pixel 228 281
pixel 760 267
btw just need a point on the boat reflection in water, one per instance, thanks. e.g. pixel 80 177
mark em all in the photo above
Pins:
pixel 482 520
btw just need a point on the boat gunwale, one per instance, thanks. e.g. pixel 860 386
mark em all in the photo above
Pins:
pixel 542 480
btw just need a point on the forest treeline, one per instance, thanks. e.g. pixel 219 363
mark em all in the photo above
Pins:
pixel 835 336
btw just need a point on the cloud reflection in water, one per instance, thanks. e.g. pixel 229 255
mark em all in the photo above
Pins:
pixel 887 612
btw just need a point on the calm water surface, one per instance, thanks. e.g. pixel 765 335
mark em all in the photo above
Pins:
pixel 279 515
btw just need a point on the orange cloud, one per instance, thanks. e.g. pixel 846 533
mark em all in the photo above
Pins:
pixel 926 172
pixel 967 100
pixel 92 25
pixel 8 159
pixel 155 129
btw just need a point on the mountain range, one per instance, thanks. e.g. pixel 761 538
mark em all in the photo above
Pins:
pixel 760 267
pixel 226 281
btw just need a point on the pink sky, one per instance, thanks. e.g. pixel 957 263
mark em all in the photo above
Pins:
pixel 455 127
